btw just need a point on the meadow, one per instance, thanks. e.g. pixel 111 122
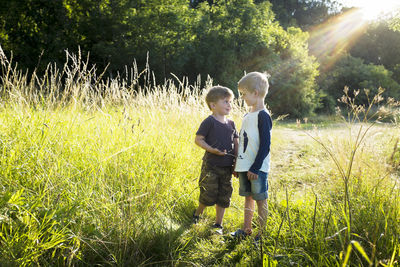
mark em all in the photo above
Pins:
pixel 104 172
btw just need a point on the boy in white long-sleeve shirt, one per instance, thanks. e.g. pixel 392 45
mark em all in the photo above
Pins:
pixel 253 161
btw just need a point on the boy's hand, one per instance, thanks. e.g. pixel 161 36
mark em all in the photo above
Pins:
pixel 252 175
pixel 218 152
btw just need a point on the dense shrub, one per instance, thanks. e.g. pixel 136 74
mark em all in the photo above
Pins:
pixel 354 73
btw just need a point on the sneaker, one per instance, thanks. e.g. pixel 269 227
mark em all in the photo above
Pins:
pixel 218 228
pixel 195 218
pixel 239 234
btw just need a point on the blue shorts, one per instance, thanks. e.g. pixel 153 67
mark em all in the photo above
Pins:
pixel 258 188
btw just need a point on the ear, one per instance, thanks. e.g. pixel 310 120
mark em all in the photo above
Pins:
pixel 212 105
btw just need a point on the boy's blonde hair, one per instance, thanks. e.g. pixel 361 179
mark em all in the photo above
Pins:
pixel 255 81
pixel 216 93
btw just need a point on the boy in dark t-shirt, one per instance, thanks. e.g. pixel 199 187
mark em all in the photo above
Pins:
pixel 218 137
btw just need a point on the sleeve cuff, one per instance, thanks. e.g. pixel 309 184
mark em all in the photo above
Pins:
pixel 254 170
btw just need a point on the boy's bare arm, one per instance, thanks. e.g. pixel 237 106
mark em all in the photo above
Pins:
pixel 200 141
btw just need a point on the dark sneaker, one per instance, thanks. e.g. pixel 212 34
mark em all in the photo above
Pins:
pixel 195 218
pixel 239 234
pixel 218 228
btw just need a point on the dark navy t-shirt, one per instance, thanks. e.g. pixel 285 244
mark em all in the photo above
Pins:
pixel 218 135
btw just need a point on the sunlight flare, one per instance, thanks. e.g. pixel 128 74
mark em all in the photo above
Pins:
pixel 373 10
pixel 331 39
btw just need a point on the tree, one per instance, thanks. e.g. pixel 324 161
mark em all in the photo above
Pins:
pixel 303 13
pixel 34 30
pixel 379 45
pixel 357 75
pixel 222 39
pixel 395 21
pixel 195 3
pixel 164 29
pixel 237 36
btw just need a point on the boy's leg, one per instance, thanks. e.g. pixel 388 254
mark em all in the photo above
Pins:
pixel 248 213
pixel 220 211
pixel 262 213
pixel 224 192
pixel 208 184
pixel 260 195
pixel 200 209
pixel 245 191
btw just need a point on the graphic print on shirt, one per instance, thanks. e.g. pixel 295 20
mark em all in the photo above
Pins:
pixel 254 143
pixel 245 141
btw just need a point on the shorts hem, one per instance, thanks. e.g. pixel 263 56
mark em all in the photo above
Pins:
pixel 244 193
pixel 260 196
pixel 223 205
pixel 207 204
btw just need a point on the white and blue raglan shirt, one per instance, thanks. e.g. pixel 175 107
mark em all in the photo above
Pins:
pixel 254 142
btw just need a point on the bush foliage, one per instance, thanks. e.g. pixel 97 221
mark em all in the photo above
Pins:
pixel 353 73
pixel 220 39
pixel 223 40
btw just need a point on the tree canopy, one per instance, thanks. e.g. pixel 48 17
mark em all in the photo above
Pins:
pixel 379 45
pixel 221 38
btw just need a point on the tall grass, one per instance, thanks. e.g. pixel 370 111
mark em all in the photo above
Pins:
pixel 104 171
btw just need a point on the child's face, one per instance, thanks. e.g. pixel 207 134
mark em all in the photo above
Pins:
pixel 222 107
pixel 249 97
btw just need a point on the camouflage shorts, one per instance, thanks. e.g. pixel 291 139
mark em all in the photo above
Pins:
pixel 215 185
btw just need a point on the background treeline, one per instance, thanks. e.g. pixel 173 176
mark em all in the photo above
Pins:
pixel 220 38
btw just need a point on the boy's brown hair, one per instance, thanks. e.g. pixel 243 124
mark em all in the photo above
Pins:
pixel 216 93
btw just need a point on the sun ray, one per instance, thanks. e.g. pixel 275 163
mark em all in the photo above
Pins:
pixel 331 39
